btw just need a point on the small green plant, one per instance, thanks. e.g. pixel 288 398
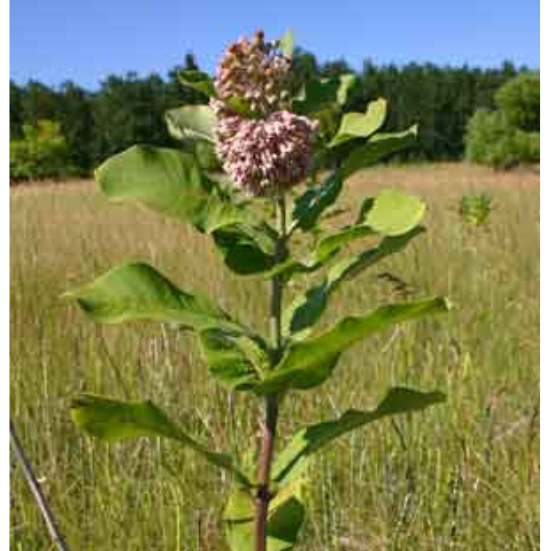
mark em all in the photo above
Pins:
pixel 42 153
pixel 475 208
pixel 266 141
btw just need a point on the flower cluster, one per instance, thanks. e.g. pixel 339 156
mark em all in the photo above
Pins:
pixel 265 157
pixel 254 71
pixel 268 155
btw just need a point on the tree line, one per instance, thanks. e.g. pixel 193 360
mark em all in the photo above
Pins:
pixel 129 109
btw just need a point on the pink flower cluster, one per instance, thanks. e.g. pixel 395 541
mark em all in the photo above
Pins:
pixel 265 157
pixel 254 71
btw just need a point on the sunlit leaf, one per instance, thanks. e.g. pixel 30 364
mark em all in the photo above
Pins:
pixel 360 125
pixel 394 212
pixel 347 83
pixel 307 308
pixel 291 461
pixel 286 43
pixel 378 147
pixel 169 182
pixel 136 291
pixel 195 122
pixel 112 420
pixel 309 362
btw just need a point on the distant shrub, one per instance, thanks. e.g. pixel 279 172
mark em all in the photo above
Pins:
pixel 492 140
pixel 510 135
pixel 519 101
pixel 41 153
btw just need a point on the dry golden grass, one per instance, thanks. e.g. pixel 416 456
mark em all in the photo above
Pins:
pixel 462 476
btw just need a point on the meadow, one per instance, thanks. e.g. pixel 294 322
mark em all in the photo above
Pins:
pixel 463 475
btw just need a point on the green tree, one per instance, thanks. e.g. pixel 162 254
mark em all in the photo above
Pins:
pixel 126 111
pixel 16 111
pixel 77 124
pixel 519 100
pixel 38 102
pixel 510 134
pixel 41 153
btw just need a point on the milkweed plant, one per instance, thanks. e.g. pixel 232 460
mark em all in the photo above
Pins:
pixel 236 178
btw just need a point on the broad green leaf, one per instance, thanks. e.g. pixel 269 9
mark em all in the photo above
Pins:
pixel 347 83
pixel 350 267
pixel 315 95
pixel 285 519
pixel 309 362
pixel 326 246
pixel 164 180
pixel 361 125
pixel 290 461
pixel 391 213
pixel 171 182
pixel 199 81
pixel 195 122
pixel 376 148
pixel 324 250
pixel 136 291
pixel 113 420
pixel 246 250
pixel 394 212
pixel 286 43
pixel 206 157
pixel 235 359
pixel 307 308
pixel 311 204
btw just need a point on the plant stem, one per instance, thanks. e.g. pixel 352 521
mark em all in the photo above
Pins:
pixel 269 425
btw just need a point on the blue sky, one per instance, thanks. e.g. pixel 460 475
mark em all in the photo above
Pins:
pixel 85 40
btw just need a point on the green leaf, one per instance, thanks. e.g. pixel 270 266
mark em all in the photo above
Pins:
pixel 307 308
pixel 315 95
pixel 136 291
pixel 347 83
pixel 195 122
pixel 113 420
pixel 286 43
pixel 199 81
pixel 395 212
pixel 161 179
pixel 246 250
pixel 311 204
pixel 376 148
pixel 391 213
pixel 361 125
pixel 284 521
pixel 235 359
pixel 309 362
pixel 290 462
pixel 171 182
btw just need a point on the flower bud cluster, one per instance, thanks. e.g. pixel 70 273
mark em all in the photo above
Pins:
pixel 255 71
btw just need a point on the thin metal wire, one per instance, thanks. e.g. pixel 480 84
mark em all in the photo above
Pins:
pixel 34 486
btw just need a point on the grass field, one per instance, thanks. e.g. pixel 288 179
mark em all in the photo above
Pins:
pixel 461 476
